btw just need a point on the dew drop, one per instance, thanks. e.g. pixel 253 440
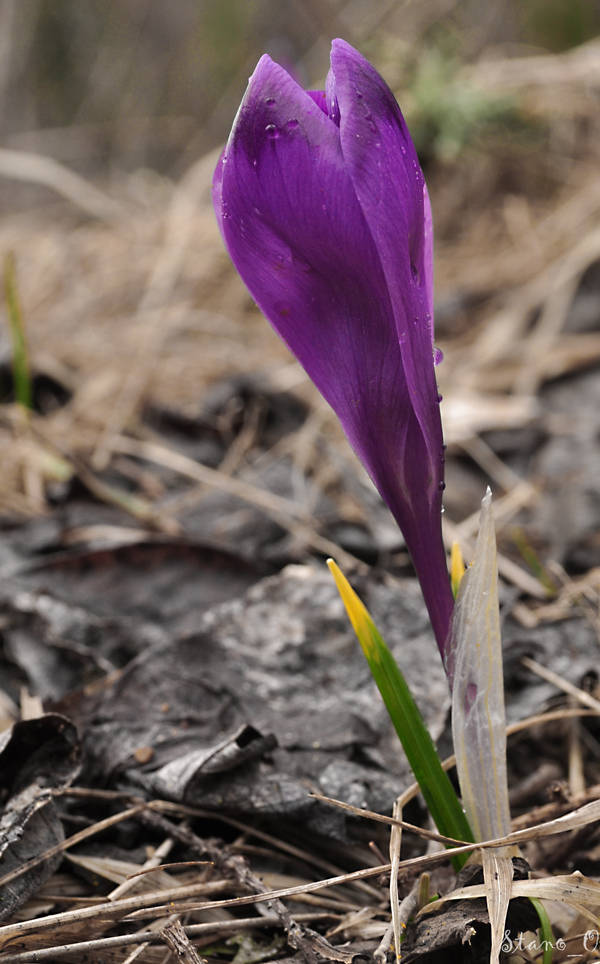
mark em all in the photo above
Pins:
pixel 270 101
pixel 440 397
pixel 301 265
pixel 441 486
pixel 272 131
pixel 291 125
pixel 438 356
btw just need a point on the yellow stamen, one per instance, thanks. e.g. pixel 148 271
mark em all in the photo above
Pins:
pixel 457 568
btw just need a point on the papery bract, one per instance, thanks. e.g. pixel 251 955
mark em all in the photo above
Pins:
pixel 323 208
pixel 478 716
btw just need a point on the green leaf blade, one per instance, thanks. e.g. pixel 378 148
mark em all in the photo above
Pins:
pixel 404 713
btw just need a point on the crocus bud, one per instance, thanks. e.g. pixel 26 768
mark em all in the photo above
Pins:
pixel 323 208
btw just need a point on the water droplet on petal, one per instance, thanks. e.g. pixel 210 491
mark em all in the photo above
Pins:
pixel 302 265
pixel 441 486
pixel 272 131
pixel 270 101
pixel 440 397
pixel 438 356
pixel 291 125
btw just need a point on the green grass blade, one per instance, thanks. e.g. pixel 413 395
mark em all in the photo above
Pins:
pixel 418 746
pixel 20 358
pixel 546 933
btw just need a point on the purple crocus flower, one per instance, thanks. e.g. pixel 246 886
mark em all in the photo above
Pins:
pixel 323 208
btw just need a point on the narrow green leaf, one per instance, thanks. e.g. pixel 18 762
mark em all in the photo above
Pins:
pixel 419 748
pixel 20 359
pixel 546 933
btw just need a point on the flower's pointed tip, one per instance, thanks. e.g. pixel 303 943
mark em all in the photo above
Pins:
pixel 264 63
pixel 486 507
pixel 265 70
pixel 357 612
pixel 339 44
pixel 341 49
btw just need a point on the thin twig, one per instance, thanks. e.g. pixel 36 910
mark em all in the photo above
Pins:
pixel 285 512
pixel 71 841
pixel 215 928
pixel 562 684
pixel 175 936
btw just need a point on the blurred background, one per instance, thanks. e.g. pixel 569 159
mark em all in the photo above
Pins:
pixel 112 117
pixel 112 88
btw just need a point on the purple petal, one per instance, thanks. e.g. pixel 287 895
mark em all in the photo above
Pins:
pixel 319 98
pixel 298 232
pixel 428 257
pixel 382 162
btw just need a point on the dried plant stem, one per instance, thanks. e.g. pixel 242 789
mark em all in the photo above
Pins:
pixel 216 929
pixel 285 512
pixel 175 936
pixel 38 169
pixel 580 695
pixel 71 841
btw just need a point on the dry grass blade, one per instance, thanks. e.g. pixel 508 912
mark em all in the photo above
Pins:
pixel 281 845
pixel 575 889
pixel 179 224
pixel 214 929
pixel 71 841
pixel 497 882
pixel 382 818
pixel 284 511
pixel 581 817
pixel 580 695
pixel 151 902
pixel 24 166
pixel 395 844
